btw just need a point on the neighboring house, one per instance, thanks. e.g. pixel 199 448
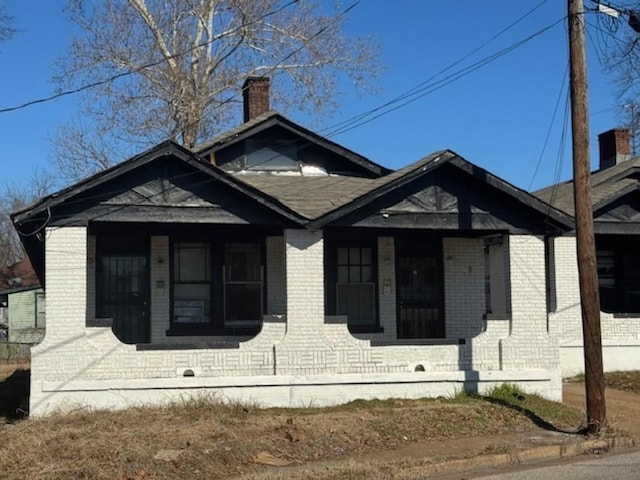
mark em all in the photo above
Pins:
pixel 276 266
pixel 22 301
pixel 616 211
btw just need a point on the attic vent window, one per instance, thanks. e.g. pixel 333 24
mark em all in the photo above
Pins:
pixel 273 157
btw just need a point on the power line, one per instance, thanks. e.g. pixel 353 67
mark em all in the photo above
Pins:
pixel 142 67
pixel 415 94
pixel 444 70
pixel 553 120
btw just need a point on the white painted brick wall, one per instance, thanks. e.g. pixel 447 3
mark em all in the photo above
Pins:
pixel 305 282
pixel 529 345
pixel 66 281
pixel 464 286
pixel 160 288
pixel 387 287
pixel 620 334
pixel 305 345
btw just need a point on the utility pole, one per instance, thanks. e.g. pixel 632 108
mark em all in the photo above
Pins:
pixel 586 251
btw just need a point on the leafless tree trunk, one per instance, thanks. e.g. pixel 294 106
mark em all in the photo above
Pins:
pixel 187 60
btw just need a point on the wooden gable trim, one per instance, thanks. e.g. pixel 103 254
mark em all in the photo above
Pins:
pixel 308 135
pixel 557 220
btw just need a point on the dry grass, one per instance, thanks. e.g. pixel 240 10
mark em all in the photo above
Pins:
pixel 626 381
pixel 219 440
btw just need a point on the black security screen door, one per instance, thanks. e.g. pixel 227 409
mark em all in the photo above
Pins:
pixel 420 295
pixel 122 295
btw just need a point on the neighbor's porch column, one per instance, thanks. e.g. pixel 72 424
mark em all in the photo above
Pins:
pixel 66 281
pixel 304 256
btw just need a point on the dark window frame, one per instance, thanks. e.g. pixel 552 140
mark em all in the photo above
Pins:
pixel 331 279
pixel 617 275
pixel 216 323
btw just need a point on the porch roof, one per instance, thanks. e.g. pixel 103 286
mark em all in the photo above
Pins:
pixel 606 186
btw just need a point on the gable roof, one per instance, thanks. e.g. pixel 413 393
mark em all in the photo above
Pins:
pixel 166 148
pixel 272 119
pixel 606 186
pixel 325 199
pixel 430 163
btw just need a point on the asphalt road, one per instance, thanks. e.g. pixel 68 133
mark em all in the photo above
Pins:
pixel 615 466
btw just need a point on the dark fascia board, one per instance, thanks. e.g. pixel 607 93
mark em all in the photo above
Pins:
pixel 528 199
pixel 426 164
pixel 278 120
pixel 436 160
pixel 613 197
pixel 163 149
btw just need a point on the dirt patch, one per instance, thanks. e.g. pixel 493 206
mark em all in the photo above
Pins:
pixel 623 408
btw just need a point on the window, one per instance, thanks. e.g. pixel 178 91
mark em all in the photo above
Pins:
pixel 191 283
pixel 40 310
pixel 271 155
pixel 217 284
pixel 243 283
pixel 619 279
pixel 355 286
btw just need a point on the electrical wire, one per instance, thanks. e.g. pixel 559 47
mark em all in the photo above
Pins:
pixel 551 124
pixel 433 87
pixel 140 68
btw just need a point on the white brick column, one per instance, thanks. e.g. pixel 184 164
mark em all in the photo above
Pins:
pixel 66 281
pixel 387 286
pixel 528 291
pixel 159 288
pixel 304 257
pixel 529 346
pixel 464 292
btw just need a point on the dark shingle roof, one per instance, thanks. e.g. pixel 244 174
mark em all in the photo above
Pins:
pixel 314 197
pixel 606 185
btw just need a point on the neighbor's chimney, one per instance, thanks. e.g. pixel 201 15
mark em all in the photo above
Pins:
pixel 615 147
pixel 255 93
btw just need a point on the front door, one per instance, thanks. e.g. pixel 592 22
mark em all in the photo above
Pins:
pixel 420 294
pixel 123 295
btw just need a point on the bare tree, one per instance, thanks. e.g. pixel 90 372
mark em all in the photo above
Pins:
pixel 6 24
pixel 178 66
pixel 15 197
pixel 619 50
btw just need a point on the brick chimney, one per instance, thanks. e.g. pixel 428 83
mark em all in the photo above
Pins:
pixel 615 147
pixel 255 94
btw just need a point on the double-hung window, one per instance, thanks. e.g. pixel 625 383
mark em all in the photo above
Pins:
pixel 217 285
pixel 191 282
pixel 355 286
pixel 242 284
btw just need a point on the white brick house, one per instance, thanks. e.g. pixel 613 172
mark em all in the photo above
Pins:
pixel 276 266
pixel 616 210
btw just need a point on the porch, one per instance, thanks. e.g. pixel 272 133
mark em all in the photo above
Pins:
pixel 302 340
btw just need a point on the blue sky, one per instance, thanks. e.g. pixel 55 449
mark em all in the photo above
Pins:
pixel 496 116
